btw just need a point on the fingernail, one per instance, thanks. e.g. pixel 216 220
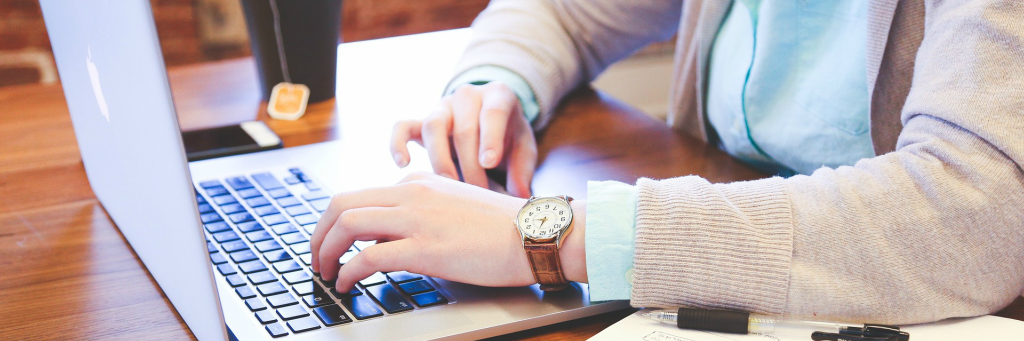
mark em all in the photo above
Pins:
pixel 399 160
pixel 488 158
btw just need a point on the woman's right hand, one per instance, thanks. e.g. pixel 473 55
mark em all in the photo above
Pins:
pixel 484 126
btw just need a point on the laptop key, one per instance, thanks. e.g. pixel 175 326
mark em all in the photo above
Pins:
pixel 268 245
pixel 257 201
pixel 258 236
pixel 210 247
pixel 224 200
pixel 331 315
pixel 281 300
pixel 218 258
pixel 317 194
pixel 306 259
pixel 210 217
pixel 233 246
pixel 226 236
pixel 266 316
pixel 243 256
pixel 267 181
pixel 350 293
pixel 347 257
pixel 226 269
pixel 361 307
pixel 251 267
pixel 209 183
pixel 277 256
pixel 303 324
pixel 292 312
pixel 317 299
pixel 309 228
pixel 249 226
pixel 402 276
pixel 288 201
pixel 375 279
pixel 300 248
pixel 249 193
pixel 297 277
pixel 239 183
pixel 216 190
pixel 297 210
pixel 205 208
pixel 276 330
pixel 241 217
pixel 282 229
pixel 287 266
pixel 264 211
pixel 294 238
pixel 312 186
pixel 305 288
pixel 278 193
pixel 320 204
pixel 389 298
pixel 217 227
pixel 307 219
pixel 255 304
pixel 245 292
pixel 235 280
pixel 262 277
pixel 232 208
pixel 274 219
pixel 271 289
pixel 429 298
pixel 415 287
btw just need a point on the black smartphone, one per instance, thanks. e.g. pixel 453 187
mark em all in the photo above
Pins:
pixel 246 137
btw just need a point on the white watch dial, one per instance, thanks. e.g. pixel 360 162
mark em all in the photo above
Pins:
pixel 544 218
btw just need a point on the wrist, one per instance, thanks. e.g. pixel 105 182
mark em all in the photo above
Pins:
pixel 572 254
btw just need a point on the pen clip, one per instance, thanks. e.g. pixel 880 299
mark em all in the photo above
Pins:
pixel 825 336
pixel 869 332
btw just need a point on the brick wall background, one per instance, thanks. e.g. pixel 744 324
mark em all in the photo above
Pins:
pixel 194 31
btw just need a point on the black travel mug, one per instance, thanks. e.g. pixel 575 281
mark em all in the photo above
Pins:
pixel 308 31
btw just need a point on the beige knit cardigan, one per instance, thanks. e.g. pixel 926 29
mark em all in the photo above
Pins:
pixel 931 228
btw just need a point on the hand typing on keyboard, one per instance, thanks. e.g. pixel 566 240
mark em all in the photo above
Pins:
pixel 437 227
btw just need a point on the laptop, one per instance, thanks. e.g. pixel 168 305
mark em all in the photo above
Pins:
pixel 227 239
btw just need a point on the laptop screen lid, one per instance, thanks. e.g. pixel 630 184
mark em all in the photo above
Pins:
pixel 112 71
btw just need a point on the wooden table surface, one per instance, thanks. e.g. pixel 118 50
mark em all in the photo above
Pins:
pixel 67 273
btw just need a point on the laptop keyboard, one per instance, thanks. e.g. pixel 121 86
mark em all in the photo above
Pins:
pixel 258 229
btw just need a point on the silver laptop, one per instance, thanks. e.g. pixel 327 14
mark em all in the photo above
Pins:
pixel 227 239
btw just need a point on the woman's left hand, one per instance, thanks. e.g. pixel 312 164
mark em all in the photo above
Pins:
pixel 436 227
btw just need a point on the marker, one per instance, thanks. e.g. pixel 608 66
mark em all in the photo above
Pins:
pixel 738 322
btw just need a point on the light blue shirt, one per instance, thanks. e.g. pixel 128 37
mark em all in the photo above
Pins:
pixel 787 94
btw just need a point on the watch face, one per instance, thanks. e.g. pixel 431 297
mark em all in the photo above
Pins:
pixel 544 218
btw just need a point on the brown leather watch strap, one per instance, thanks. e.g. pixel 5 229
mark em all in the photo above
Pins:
pixel 546 266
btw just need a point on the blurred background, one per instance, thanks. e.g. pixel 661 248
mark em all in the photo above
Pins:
pixel 193 31
pixel 196 31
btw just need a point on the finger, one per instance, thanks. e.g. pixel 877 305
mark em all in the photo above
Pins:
pixel 404 132
pixel 497 105
pixel 466 137
pixel 381 257
pixel 359 224
pixel 522 162
pixel 436 129
pixel 341 202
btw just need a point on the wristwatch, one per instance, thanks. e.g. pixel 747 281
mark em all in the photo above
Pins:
pixel 543 223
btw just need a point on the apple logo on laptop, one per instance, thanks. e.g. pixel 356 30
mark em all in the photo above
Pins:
pixel 94 76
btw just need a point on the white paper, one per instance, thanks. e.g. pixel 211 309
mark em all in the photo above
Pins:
pixel 636 327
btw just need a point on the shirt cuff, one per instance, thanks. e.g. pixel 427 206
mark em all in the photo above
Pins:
pixel 490 73
pixel 611 229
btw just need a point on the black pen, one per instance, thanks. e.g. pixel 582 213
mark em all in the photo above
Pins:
pixel 738 322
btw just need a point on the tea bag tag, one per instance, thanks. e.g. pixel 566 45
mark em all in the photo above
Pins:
pixel 288 101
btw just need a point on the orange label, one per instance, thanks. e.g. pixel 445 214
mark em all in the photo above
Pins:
pixel 289 99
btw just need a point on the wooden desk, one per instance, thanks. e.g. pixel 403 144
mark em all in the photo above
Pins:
pixel 67 273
